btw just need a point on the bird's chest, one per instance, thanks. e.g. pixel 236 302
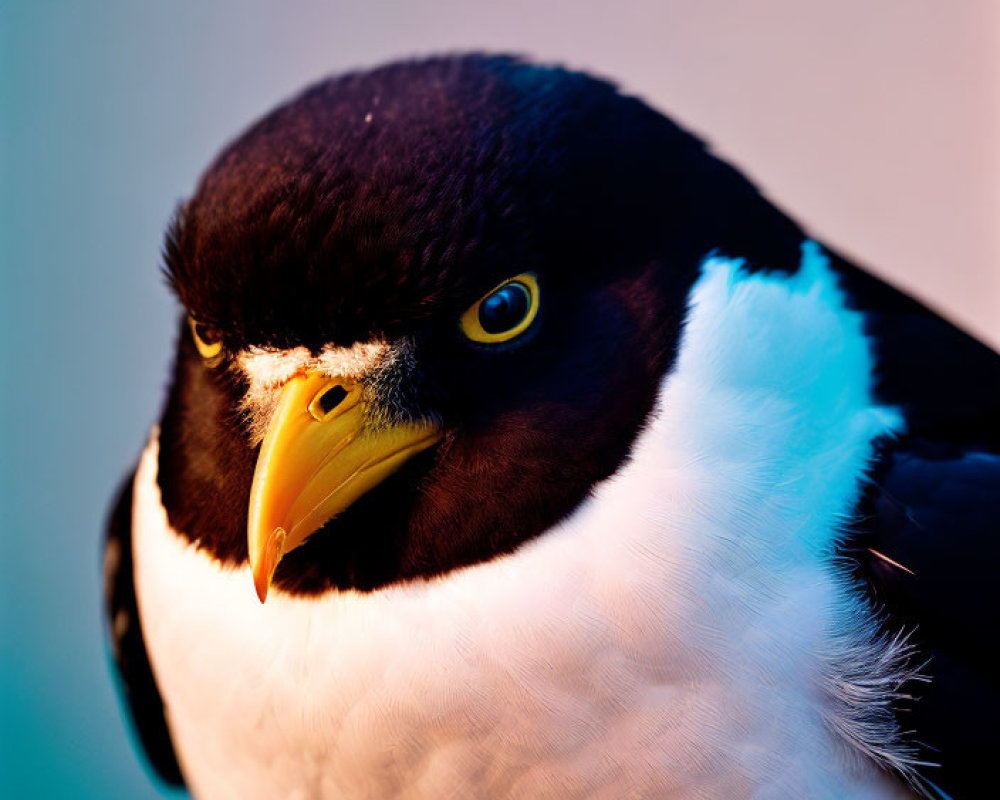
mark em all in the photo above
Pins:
pixel 572 669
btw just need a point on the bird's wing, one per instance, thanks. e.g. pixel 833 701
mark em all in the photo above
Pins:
pixel 930 561
pixel 926 543
pixel 138 687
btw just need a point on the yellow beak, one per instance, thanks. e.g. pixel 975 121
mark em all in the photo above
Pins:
pixel 318 456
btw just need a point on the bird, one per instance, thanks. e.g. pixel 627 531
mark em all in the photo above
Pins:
pixel 518 446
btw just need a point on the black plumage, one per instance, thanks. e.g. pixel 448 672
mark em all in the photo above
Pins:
pixel 933 507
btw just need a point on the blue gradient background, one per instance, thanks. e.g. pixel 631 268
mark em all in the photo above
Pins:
pixel 109 111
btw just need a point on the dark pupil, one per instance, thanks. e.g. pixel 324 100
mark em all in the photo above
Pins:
pixel 505 308
pixel 206 334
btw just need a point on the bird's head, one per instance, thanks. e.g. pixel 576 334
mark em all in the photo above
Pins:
pixel 428 308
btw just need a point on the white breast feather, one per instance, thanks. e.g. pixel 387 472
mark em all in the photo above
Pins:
pixel 677 637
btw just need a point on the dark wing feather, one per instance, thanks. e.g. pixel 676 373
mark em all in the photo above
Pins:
pixel 927 541
pixel 138 687
pixel 937 516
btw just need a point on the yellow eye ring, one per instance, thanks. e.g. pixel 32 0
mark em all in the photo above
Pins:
pixel 210 351
pixel 504 312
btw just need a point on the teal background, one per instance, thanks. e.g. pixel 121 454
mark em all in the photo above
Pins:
pixel 108 111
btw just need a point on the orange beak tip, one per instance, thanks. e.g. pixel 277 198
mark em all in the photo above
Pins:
pixel 261 585
pixel 273 551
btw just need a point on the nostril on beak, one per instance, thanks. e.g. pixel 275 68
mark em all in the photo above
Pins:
pixel 327 401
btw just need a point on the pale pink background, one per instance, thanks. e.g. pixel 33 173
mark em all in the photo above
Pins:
pixel 875 123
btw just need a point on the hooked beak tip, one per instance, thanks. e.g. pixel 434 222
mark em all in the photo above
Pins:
pixel 263 572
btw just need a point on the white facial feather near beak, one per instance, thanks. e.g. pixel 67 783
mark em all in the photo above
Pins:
pixel 267 369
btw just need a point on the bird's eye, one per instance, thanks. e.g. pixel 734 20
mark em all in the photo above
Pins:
pixel 505 312
pixel 207 340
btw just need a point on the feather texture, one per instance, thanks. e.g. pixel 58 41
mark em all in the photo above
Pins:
pixel 675 637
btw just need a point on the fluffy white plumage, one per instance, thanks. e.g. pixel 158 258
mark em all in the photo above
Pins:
pixel 681 635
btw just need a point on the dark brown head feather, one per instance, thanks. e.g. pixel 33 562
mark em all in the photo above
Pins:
pixel 383 203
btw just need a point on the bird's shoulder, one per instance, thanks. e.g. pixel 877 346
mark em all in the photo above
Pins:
pixel 924 542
